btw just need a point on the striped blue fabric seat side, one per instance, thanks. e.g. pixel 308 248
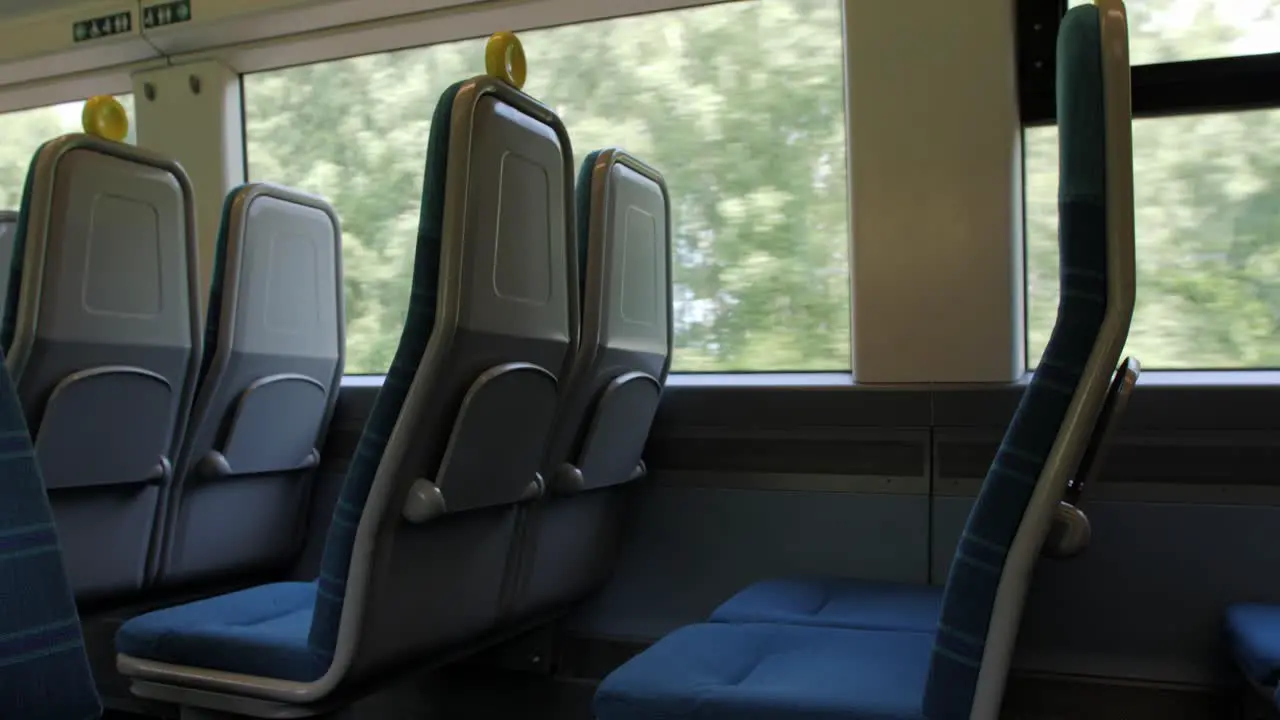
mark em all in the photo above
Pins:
pixel 9 324
pixel 582 204
pixel 335 563
pixel 44 672
pixel 213 313
pixel 979 560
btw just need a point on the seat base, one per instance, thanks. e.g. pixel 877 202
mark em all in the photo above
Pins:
pixel 261 631
pixel 195 704
pixel 775 672
pixel 835 602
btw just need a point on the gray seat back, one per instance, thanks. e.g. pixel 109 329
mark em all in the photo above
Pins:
pixel 272 364
pixel 105 339
pixel 611 396
pixel 625 354
pixel 8 231
pixel 430 556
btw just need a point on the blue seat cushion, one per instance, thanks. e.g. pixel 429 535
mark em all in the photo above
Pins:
pixel 261 631
pixel 1253 633
pixel 835 602
pixel 775 672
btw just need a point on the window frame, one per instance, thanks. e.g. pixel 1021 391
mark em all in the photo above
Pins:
pixel 74 88
pixel 465 22
pixel 426 28
pixel 1184 87
pixel 1158 90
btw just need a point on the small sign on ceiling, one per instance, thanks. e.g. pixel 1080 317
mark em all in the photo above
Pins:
pixel 100 27
pixel 169 13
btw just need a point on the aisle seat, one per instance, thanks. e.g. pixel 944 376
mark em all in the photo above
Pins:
pixel 416 558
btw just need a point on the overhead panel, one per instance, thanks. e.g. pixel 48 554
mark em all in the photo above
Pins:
pixel 45 39
pixel 209 24
pixel 60 38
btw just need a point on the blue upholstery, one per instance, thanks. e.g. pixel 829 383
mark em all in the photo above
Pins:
pixel 582 208
pixel 978 565
pixel 213 312
pixel 44 673
pixel 259 631
pixel 765 672
pixel 248 627
pixel 1253 635
pixel 336 561
pixel 740 670
pixel 835 602
pixel 9 325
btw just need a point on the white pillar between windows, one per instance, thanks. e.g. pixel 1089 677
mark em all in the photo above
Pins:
pixel 192 113
pixel 936 184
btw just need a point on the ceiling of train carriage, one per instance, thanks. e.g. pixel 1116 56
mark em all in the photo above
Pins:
pixel 18 8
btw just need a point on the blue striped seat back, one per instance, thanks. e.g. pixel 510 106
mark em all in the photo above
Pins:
pixel 335 563
pixel 44 672
pixel 979 561
pixel 213 312
pixel 9 319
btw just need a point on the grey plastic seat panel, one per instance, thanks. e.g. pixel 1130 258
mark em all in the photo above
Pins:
pixel 513 324
pixel 8 229
pixel 628 288
pixel 614 387
pixel 505 328
pixel 267 389
pixel 105 344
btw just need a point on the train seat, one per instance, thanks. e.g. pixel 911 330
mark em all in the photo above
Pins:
pixel 611 393
pixel 44 671
pixel 268 380
pixel 417 555
pixel 776 670
pixel 102 317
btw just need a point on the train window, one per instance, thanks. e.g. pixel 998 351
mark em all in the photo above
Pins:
pixel 1207 202
pixel 741 105
pixel 1175 30
pixel 26 130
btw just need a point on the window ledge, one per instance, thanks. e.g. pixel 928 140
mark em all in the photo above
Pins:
pixel 1198 379
pixel 1209 378
pixel 762 379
